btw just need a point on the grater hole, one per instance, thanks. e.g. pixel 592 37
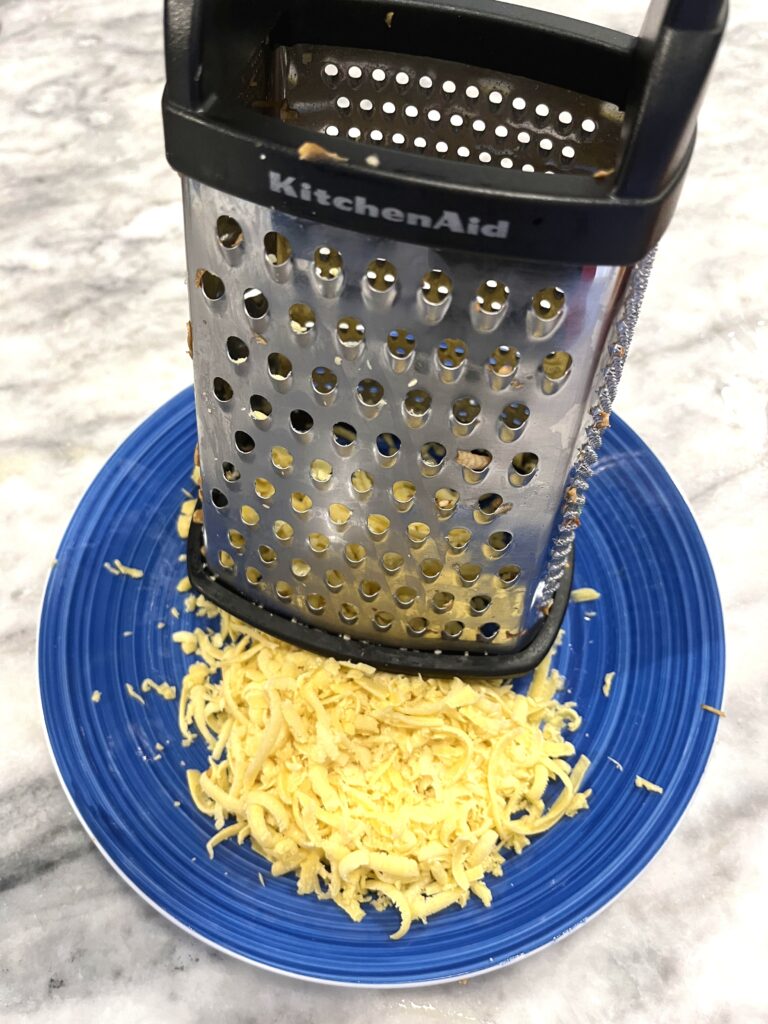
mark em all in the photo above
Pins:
pixel 402 78
pixel 463 152
pixel 237 350
pixel 331 72
pixel 350 333
pixel 442 602
pixel 495 97
pixel 542 110
pixel 508 575
pixel 261 409
pixel 548 303
pixel 211 286
pixel 324 381
pixel 432 458
pixel 425 82
pixel 318 543
pixel 451 358
pixel 279 367
pixel 226 561
pixel 267 554
pixel 334 580
pixel 249 515
pixel 230 471
pixel 392 562
pixel 299 568
pixel 301 318
pixel 545 145
pixel 400 346
pixel 301 422
pixel 244 442
pixel 344 435
pixel 498 542
pixel 332 130
pixel 284 590
pixel 339 514
pixel 469 574
pixel 478 125
pixel 382 621
pixel 491 505
pixel 388 447
pixel 492 296
pixel 380 274
pixel 366 106
pixel 277 249
pixel 316 603
pixel 321 471
pixel 588 125
pixel 282 530
pixel 411 111
pixel 348 613
pixel 501 131
pixel 255 303
pixel 416 404
pixel 527 167
pixel 436 286
pixel 354 72
pixel 453 630
pixel 403 493
pixel 417 533
pixel 328 263
pixel 446 500
pixel 441 146
pixel 229 232
pixel 222 389
pixel 523 468
pixel 556 366
pixel 355 554
pixel 479 604
pixel 565 117
pixel 378 525
pixel 512 421
pixel 474 463
pixel 253 576
pixel 362 481
pixel 389 108
pixel 281 459
pixel 488 631
pixel 518 103
pixel 568 152
pixel 370 392
pixel 263 488
pixel 485 158
pixel 343 103
pixel 219 498
pixel 502 364
pixel 456 120
pixel 472 92
pixel 434 116
pixel 417 625
pixel 236 539
pixel 300 502
pixel 405 596
pixel 431 569
pixel 465 413
pixel 506 163
pixel 458 538
pixel 370 590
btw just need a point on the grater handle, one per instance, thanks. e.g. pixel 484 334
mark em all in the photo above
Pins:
pixel 674 55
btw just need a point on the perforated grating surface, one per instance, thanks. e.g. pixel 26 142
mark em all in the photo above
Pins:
pixel 444 109
pixel 386 430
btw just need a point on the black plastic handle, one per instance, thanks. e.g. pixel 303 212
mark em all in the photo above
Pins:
pixel 673 57
pixel 217 51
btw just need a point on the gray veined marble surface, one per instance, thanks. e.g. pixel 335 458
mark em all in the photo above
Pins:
pixel 92 326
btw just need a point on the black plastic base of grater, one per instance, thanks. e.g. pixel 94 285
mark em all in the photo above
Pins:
pixel 389 659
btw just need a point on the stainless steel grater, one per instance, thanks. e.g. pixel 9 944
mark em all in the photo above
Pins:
pixel 413 285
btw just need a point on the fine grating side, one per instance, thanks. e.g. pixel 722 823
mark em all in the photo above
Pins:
pixel 444 109
pixel 387 430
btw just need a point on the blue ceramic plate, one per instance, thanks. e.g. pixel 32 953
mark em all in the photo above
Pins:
pixel 657 625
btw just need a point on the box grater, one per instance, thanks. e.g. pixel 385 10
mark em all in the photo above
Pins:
pixel 418 237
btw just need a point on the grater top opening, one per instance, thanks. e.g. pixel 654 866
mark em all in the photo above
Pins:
pixel 444 109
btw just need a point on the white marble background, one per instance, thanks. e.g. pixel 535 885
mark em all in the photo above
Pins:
pixel 92 327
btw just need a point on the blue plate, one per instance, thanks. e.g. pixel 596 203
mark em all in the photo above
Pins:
pixel 657 625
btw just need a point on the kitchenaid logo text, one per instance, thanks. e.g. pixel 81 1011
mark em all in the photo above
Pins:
pixel 449 220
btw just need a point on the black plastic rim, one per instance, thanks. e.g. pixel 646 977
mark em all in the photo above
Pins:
pixel 389 659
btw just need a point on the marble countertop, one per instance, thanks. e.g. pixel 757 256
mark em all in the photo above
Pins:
pixel 93 312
